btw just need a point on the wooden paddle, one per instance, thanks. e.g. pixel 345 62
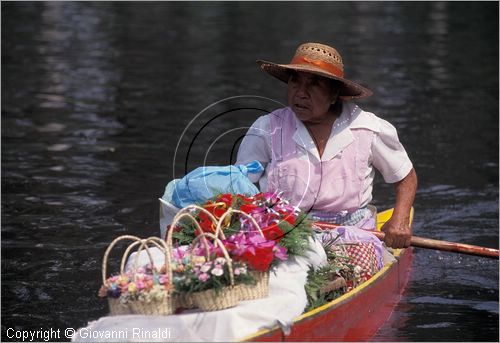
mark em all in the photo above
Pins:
pixel 435 244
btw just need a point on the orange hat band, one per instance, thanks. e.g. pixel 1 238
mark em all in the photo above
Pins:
pixel 321 64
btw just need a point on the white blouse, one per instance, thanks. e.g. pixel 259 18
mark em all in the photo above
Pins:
pixel 387 155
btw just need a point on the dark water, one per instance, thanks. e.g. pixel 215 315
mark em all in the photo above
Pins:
pixel 103 103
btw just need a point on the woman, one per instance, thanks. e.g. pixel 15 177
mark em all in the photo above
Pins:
pixel 321 151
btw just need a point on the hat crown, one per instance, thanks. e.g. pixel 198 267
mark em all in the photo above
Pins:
pixel 320 52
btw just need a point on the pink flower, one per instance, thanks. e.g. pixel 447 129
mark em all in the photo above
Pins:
pixel 140 284
pixel 179 253
pixel 280 252
pixel 203 277
pixel 163 279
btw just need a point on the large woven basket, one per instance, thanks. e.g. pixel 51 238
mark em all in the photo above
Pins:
pixel 164 304
pixel 257 291
pixel 261 288
pixel 210 301
pixel 228 296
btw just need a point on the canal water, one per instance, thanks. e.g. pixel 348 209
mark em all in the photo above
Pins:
pixel 103 103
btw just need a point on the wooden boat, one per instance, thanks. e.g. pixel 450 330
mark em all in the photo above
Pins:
pixel 358 314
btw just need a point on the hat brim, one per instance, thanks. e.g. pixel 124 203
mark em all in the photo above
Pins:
pixel 349 90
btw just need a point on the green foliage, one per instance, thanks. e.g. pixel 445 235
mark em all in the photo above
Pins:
pixel 185 235
pixel 296 237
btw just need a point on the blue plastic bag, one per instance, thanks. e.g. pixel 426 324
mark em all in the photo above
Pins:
pixel 204 183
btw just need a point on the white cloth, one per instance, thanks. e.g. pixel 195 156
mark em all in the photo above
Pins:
pixel 287 300
pixel 387 155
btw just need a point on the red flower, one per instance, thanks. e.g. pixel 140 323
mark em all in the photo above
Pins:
pixel 290 218
pixel 248 208
pixel 206 223
pixel 217 209
pixel 246 200
pixel 226 199
pixel 273 232
pixel 259 261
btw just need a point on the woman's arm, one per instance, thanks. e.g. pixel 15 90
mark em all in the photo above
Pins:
pixel 256 146
pixel 397 229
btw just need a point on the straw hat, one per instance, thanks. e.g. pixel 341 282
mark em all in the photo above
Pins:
pixel 318 59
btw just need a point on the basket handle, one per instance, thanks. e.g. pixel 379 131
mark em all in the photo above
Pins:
pixel 159 242
pixel 229 212
pixel 204 210
pixel 196 207
pixel 224 251
pixel 108 251
pixel 177 218
pixel 134 244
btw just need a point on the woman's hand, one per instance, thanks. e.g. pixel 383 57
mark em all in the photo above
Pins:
pixel 397 229
pixel 397 232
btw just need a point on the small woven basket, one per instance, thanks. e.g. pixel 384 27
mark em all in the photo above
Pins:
pixel 116 308
pixel 161 305
pixel 182 300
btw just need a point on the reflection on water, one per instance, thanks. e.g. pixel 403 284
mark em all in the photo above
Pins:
pixel 96 95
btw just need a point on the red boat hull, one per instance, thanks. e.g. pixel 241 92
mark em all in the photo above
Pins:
pixel 357 315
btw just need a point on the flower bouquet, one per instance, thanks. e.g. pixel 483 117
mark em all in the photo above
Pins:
pixel 261 230
pixel 277 219
pixel 203 271
pixel 140 290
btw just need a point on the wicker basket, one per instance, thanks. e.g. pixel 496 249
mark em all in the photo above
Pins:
pixel 257 291
pixel 163 306
pixel 210 301
pixel 116 308
pixel 261 288
pixel 228 296
pixel 362 255
pixel 231 295
pixel 182 300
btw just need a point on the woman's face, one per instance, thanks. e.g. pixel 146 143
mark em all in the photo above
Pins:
pixel 310 96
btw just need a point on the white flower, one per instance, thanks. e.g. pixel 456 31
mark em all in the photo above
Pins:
pixel 217 271
pixel 205 268
pixel 220 260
